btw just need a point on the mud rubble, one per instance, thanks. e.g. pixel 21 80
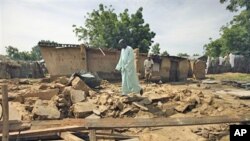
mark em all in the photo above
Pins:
pixel 43 99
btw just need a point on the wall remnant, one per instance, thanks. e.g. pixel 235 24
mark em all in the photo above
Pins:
pixel 19 69
pixel 74 59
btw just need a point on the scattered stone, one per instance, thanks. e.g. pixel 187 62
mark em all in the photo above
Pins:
pixel 44 109
pixel 42 94
pixel 124 111
pixel 77 96
pixel 43 86
pixel 78 84
pixel 103 99
pixel 82 109
pixel 155 97
pixel 24 81
pixel 63 80
pixel 146 101
pixel 97 112
pixel 140 106
pixel 93 116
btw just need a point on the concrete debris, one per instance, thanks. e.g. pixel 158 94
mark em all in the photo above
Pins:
pixel 140 106
pixel 82 109
pixel 42 94
pixel 93 116
pixel 77 96
pixel 78 84
pixel 45 109
pixel 62 80
pixel 212 133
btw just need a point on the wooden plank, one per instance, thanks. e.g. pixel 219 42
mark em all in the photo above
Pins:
pixel 141 122
pixel 92 135
pixel 67 136
pixel 5 107
pixel 16 125
pixel 47 131
pixel 109 123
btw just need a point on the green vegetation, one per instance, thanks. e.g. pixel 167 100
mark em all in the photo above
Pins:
pixel 235 36
pixel 230 76
pixel 156 49
pixel 33 55
pixel 164 53
pixel 185 55
pixel 104 28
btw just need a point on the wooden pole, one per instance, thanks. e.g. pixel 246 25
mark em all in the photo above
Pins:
pixel 92 135
pixel 67 136
pixel 5 107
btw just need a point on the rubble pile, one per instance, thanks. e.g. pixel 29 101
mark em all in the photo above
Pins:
pixel 212 133
pixel 61 99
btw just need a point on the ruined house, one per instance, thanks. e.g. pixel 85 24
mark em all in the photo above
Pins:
pixel 19 69
pixel 65 59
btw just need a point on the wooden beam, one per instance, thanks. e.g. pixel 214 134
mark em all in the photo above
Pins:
pixel 67 136
pixel 109 123
pixel 92 135
pixel 46 131
pixel 5 107
pixel 16 125
pixel 81 124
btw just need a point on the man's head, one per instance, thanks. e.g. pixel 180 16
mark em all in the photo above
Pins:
pixel 122 43
pixel 149 56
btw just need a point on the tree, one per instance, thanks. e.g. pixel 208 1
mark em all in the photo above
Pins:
pixel 104 28
pixel 184 55
pixel 214 48
pixel 235 36
pixel 33 55
pixel 164 53
pixel 196 54
pixel 156 49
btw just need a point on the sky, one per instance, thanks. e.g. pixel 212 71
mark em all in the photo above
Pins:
pixel 181 26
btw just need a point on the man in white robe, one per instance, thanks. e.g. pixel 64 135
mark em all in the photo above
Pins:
pixel 126 65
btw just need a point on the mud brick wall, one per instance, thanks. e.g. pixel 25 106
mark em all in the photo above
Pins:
pixel 65 61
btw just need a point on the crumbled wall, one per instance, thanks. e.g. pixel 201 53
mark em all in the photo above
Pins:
pixel 22 70
pixel 65 61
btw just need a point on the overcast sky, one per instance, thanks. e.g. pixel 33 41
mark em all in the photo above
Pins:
pixel 180 25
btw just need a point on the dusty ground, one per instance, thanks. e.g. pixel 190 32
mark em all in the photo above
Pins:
pixel 165 100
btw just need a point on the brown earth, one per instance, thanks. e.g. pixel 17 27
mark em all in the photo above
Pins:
pixel 159 100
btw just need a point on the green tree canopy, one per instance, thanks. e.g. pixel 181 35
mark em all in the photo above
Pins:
pixel 164 53
pixel 104 28
pixel 156 49
pixel 33 55
pixel 235 36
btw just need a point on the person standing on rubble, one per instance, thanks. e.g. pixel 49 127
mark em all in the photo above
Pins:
pixel 126 65
pixel 148 66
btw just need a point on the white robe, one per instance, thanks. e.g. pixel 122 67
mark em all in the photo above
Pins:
pixel 130 81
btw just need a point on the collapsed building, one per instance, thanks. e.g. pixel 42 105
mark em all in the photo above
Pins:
pixel 65 59
pixel 19 69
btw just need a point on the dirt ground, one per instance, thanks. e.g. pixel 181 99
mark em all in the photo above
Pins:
pixel 189 99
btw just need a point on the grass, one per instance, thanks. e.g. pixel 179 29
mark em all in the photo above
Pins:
pixel 230 76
